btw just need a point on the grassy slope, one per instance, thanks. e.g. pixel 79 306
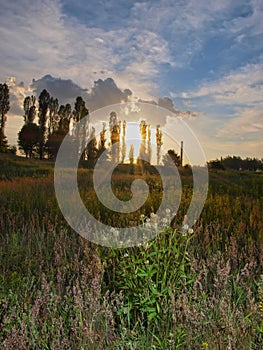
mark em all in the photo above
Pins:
pixel 15 166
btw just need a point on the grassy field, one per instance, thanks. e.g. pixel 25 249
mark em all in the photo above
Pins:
pixel 183 290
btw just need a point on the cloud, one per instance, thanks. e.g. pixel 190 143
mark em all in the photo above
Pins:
pixel 232 108
pixel 211 55
pixel 17 94
pixel 64 89
pixel 243 86
pixel 167 103
pixel 15 120
pixel 42 38
pixel 106 92
pixel 132 42
pixel 102 93
pixel 247 124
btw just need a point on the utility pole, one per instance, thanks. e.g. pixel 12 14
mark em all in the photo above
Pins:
pixel 181 153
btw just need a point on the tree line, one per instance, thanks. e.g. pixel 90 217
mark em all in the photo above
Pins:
pixel 46 123
pixel 236 163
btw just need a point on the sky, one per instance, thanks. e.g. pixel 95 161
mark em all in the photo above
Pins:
pixel 203 60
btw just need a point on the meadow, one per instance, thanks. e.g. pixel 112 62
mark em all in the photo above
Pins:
pixel 182 290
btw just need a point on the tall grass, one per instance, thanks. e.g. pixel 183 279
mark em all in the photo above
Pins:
pixel 183 290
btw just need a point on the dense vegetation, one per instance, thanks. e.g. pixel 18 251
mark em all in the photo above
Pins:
pixel 183 290
pixel 236 163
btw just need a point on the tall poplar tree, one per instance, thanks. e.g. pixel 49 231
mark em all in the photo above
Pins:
pixel 4 103
pixel 29 136
pixel 159 143
pixel 80 111
pixel 43 107
pixel 4 108
pixel 115 128
pixel 29 109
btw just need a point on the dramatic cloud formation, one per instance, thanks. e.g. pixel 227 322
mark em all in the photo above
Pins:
pixel 101 94
pixel 65 90
pixel 207 59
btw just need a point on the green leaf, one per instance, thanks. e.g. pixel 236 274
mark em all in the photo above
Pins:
pixel 151 316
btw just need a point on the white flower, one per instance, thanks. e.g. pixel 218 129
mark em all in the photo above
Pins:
pixel 168 211
pixel 190 230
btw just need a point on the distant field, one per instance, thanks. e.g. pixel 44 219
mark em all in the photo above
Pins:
pixel 199 290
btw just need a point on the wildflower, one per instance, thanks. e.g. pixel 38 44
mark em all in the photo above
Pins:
pixel 154 218
pixel 114 231
pixel 165 221
pixel 190 230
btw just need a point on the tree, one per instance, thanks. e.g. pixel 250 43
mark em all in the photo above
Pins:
pixel 43 106
pixel 131 154
pixel 80 112
pixel 234 162
pixel 4 103
pixel 159 142
pixel 102 140
pixel 64 117
pixel 60 127
pixel 53 143
pixel 143 155
pixel 131 159
pixel 115 129
pixel 171 158
pixel 123 146
pixel 91 147
pixel 149 146
pixel 215 164
pixel 53 115
pixel 28 139
pixel 143 131
pixel 30 109
pixel 3 142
